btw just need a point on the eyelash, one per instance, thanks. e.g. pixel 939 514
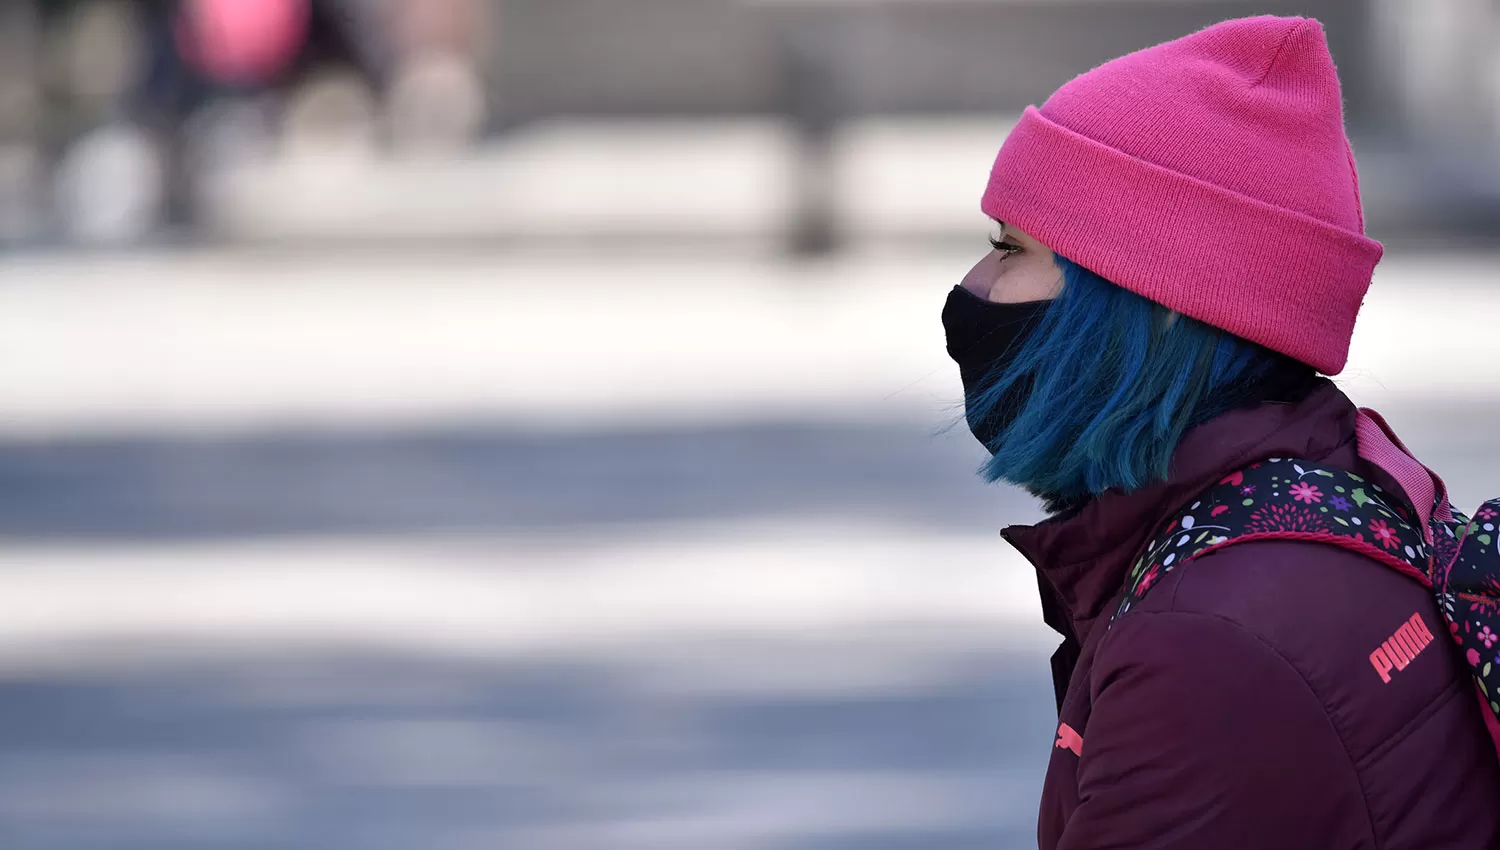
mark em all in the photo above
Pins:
pixel 1004 247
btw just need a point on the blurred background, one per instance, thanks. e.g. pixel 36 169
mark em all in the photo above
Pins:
pixel 525 424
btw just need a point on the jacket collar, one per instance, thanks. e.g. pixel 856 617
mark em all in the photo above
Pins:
pixel 1083 557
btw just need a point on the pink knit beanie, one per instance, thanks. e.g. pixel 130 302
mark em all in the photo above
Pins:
pixel 1210 174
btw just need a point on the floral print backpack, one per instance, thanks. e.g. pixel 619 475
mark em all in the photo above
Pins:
pixel 1290 499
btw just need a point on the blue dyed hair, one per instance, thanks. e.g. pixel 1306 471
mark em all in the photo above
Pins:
pixel 1115 380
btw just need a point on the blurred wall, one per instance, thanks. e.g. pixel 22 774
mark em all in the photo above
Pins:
pixel 729 56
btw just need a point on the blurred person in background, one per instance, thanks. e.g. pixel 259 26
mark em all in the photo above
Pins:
pixel 134 89
pixel 241 42
pixel 204 50
pixel 1180 261
pixel 438 99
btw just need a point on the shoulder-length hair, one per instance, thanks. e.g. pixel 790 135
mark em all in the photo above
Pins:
pixel 1111 382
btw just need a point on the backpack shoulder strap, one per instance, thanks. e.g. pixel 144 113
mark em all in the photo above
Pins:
pixel 1466 576
pixel 1290 499
pixel 1283 499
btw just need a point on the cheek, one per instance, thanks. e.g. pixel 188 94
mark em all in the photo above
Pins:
pixel 1036 279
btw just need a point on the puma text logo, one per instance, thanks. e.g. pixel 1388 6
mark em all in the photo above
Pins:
pixel 1400 648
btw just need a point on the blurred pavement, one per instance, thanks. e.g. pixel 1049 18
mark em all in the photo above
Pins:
pixel 317 551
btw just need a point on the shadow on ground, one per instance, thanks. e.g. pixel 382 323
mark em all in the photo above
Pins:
pixel 500 479
pixel 489 478
pixel 632 751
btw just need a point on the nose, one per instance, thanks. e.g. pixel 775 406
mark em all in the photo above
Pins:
pixel 981 278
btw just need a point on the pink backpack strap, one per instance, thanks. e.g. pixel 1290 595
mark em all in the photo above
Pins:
pixel 1379 446
pixel 1291 499
pixel 1287 499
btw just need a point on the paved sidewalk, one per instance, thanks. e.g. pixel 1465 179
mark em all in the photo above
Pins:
pixel 188 343
pixel 542 553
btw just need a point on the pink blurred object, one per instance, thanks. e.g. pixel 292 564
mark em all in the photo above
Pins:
pixel 242 42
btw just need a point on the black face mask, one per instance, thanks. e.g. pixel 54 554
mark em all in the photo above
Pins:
pixel 983 338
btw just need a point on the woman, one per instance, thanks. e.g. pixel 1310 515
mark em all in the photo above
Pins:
pixel 1182 254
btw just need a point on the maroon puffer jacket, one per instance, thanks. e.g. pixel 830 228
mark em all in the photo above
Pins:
pixel 1236 707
